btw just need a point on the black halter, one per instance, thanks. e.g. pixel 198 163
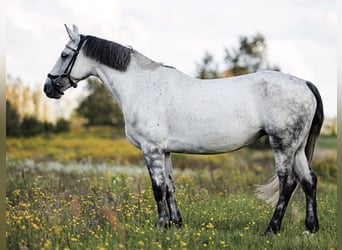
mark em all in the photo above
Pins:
pixel 57 80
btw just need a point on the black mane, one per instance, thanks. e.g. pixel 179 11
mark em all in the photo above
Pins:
pixel 109 53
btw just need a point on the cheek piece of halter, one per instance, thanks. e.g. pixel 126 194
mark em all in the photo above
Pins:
pixel 57 80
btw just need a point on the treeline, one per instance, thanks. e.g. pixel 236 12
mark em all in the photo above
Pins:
pixel 98 108
pixel 30 125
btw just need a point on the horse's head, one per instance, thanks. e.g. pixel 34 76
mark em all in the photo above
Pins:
pixel 69 68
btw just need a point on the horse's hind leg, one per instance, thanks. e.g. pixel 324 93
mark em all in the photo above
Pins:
pixel 284 161
pixel 155 160
pixel 170 192
pixel 308 181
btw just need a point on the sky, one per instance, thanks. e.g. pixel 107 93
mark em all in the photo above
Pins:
pixel 301 35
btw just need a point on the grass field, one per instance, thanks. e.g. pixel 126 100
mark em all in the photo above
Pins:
pixel 90 190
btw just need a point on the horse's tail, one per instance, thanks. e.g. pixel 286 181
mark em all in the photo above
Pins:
pixel 270 191
pixel 316 124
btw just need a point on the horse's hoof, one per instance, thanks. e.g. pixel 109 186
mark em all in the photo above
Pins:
pixel 176 223
pixel 306 233
pixel 163 224
pixel 269 230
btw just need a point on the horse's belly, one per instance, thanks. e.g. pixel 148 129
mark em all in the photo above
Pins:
pixel 212 141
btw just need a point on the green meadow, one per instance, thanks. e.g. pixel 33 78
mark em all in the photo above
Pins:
pixel 89 189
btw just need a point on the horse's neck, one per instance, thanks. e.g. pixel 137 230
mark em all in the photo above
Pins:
pixel 144 62
pixel 124 86
pixel 141 77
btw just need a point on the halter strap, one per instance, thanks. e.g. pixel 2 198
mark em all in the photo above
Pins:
pixel 58 84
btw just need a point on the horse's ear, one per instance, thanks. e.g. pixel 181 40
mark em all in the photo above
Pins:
pixel 73 34
pixel 74 27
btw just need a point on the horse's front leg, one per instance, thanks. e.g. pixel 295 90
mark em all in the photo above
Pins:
pixel 155 160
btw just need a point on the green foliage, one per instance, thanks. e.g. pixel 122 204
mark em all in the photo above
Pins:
pixel 207 69
pixel 99 107
pixel 249 56
pixel 62 125
pixel 12 120
pixel 30 126
pixel 48 127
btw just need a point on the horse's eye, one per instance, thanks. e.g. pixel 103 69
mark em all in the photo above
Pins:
pixel 63 55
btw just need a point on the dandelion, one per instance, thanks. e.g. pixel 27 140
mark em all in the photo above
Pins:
pixel 157 244
pixel 48 243
pixel 182 243
pixel 35 226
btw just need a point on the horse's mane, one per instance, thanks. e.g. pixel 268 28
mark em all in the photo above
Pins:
pixel 115 55
pixel 107 52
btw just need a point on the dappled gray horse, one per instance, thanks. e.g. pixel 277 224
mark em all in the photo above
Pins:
pixel 168 111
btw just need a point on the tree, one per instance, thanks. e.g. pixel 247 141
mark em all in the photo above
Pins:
pixel 249 57
pixel 207 69
pixel 12 120
pixel 99 107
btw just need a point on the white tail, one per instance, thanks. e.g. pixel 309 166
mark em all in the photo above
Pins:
pixel 270 191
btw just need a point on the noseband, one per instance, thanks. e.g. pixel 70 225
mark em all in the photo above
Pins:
pixel 57 80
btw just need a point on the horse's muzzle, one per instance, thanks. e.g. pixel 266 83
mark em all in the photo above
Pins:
pixel 50 90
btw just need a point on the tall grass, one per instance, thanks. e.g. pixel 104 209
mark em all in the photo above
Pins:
pixel 95 199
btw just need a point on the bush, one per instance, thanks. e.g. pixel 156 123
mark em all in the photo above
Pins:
pixel 48 127
pixel 62 125
pixel 30 126
pixel 326 168
pixel 99 107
